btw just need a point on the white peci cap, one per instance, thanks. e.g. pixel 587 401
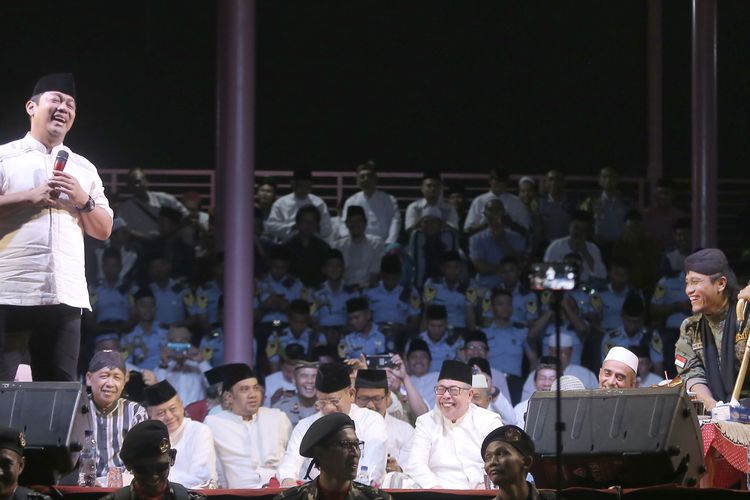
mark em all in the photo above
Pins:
pixel 623 355
pixel 479 381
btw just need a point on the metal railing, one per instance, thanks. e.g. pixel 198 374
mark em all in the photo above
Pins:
pixel 335 186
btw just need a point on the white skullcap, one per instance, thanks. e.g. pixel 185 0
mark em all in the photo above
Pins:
pixel 568 383
pixel 526 178
pixel 479 381
pixel 623 355
pixel 432 212
pixel 566 340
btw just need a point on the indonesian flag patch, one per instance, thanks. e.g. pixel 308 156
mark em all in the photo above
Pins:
pixel 679 361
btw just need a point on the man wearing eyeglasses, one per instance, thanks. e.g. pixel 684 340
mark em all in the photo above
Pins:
pixel 336 395
pixel 445 449
pixel 372 392
pixel 249 439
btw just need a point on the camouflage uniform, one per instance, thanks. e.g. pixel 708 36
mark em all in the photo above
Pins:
pixel 689 349
pixel 309 491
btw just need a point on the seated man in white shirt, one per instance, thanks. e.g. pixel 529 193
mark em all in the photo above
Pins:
pixel 336 394
pixel 577 242
pixel 195 465
pixel 445 450
pixel 249 439
pixel 372 392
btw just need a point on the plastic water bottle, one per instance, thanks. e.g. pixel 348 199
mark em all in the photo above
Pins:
pixel 87 461
pixel 363 476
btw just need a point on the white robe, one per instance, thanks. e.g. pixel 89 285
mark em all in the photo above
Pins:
pixel 399 437
pixel 447 455
pixel 195 464
pixel 370 428
pixel 249 451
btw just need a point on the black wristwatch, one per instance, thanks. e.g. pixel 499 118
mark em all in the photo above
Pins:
pixel 88 207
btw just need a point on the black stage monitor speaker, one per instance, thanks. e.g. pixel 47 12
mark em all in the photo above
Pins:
pixel 53 417
pixel 627 437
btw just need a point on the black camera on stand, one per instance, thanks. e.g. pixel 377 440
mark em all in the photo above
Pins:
pixel 556 277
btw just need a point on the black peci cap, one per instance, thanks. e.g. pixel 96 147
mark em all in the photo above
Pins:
pixel 333 377
pixel 159 393
pixel 56 82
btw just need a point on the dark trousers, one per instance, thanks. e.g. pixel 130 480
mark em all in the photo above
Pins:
pixel 54 343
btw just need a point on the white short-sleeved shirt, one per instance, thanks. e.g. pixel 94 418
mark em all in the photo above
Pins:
pixel 41 249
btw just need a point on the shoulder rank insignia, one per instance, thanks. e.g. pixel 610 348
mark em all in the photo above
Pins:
pixel 546 297
pixel 429 293
pixel 415 301
pixel 531 307
pixel 342 350
pixel 188 299
pixel 202 301
pixel 660 291
pixel 471 295
pixel 596 301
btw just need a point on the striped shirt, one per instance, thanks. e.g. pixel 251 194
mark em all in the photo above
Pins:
pixel 109 427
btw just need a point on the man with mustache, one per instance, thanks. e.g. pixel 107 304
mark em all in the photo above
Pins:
pixel 709 350
pixel 148 454
pixel 111 415
pixel 332 444
pixel 44 214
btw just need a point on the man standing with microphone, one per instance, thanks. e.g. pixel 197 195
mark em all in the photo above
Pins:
pixel 49 198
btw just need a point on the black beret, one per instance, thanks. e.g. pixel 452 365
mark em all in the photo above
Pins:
pixel 514 436
pixel 455 370
pixel 436 311
pixel 278 252
pixel 371 379
pixel 390 264
pixel 707 261
pixel 143 293
pixel 11 439
pixel 354 210
pixel 357 304
pixel 418 345
pixel 159 393
pixel 233 373
pixel 56 82
pixel 107 359
pixel 633 305
pixel 146 439
pixel 333 377
pixel 322 429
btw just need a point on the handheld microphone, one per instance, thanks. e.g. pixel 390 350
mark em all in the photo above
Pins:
pixel 60 160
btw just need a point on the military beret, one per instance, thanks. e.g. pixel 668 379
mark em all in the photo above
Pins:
pixel 149 438
pixel 11 439
pixel 707 261
pixel 56 82
pixel 106 359
pixel 322 429
pixel 293 352
pixel 451 256
pixel 455 370
pixel 514 436
pixel 159 393
pixel 333 377
pixel 371 379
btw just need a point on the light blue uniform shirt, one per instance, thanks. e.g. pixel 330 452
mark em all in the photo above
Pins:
pixel 356 343
pixel 394 306
pixel 507 347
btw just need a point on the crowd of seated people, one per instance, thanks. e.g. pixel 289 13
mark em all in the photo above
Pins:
pixel 449 284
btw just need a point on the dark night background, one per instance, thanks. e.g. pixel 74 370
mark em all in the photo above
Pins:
pixel 449 85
